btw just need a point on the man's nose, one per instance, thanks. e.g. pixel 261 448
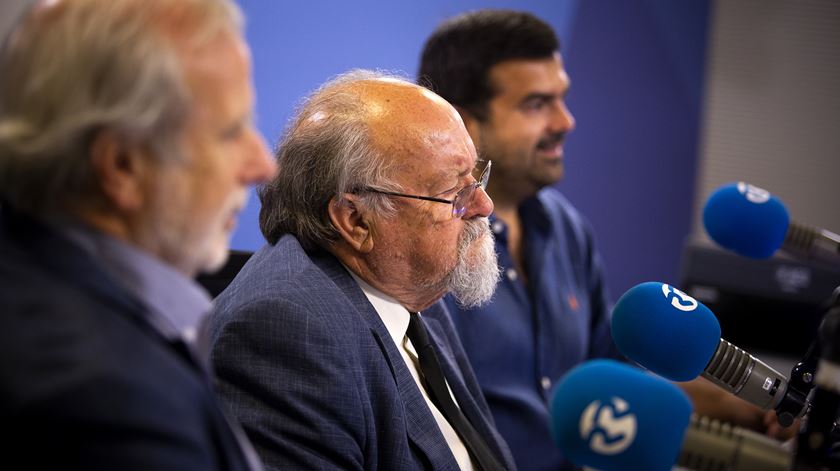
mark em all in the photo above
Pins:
pixel 480 205
pixel 259 165
pixel 562 119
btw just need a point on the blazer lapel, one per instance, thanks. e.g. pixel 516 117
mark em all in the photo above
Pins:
pixel 421 426
pixel 466 400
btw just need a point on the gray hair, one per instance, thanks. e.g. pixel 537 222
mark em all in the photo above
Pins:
pixel 326 152
pixel 74 68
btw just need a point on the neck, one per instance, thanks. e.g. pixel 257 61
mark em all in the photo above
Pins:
pixel 134 231
pixel 104 223
pixel 507 209
pixel 413 298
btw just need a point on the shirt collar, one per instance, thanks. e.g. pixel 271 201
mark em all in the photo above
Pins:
pixel 532 213
pixel 177 304
pixel 393 314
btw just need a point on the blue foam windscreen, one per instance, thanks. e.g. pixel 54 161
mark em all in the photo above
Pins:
pixel 665 330
pixel 612 416
pixel 746 219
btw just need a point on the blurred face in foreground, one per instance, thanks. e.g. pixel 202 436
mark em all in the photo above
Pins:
pixel 195 201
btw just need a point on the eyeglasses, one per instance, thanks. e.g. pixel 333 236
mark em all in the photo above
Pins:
pixel 461 200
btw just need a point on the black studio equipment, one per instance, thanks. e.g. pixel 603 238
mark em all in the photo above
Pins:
pixel 770 284
pixel 772 296
pixel 217 281
pixel 773 305
pixel 818 444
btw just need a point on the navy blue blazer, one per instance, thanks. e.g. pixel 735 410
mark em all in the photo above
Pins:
pixel 310 370
pixel 85 382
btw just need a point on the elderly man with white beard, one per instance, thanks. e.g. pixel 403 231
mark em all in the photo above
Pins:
pixel 331 345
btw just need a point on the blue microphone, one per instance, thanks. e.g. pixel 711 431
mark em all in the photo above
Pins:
pixel 608 415
pixel 675 336
pixel 751 222
pixel 665 330
pixel 611 416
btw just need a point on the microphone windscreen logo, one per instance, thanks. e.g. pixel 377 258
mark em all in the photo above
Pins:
pixel 679 300
pixel 753 193
pixel 608 428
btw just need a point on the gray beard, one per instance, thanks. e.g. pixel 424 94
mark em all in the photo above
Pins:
pixel 473 281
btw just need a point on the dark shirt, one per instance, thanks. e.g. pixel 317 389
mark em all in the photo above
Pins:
pixel 528 336
pixel 94 372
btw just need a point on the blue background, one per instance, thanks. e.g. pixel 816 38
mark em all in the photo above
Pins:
pixel 637 69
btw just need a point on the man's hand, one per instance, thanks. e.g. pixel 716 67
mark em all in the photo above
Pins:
pixel 714 402
pixel 773 429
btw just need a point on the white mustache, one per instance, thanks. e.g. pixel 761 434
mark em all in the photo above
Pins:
pixel 474 229
pixel 238 202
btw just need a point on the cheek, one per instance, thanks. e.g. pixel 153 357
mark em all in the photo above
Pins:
pixel 428 244
pixel 216 181
pixel 513 140
pixel 528 132
pixel 445 246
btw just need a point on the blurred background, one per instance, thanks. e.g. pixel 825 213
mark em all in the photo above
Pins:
pixel 637 70
pixel 672 99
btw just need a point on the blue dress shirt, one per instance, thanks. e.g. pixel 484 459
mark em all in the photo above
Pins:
pixel 523 341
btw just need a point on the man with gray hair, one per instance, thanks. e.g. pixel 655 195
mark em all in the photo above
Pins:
pixel 126 149
pixel 331 345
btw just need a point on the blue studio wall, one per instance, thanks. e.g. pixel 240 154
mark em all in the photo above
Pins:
pixel 637 70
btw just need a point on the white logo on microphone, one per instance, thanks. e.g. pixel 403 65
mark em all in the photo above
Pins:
pixel 608 428
pixel 768 383
pixel 679 300
pixel 753 194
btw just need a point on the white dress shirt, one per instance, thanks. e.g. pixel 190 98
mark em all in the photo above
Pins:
pixel 396 318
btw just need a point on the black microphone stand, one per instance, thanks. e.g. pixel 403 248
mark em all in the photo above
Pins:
pixel 816 443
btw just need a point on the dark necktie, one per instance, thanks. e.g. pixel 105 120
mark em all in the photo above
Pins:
pixel 439 392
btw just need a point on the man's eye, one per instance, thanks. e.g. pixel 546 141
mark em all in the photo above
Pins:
pixel 232 132
pixel 534 105
pixel 450 192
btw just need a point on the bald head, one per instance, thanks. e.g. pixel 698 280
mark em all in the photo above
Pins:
pixel 407 124
pixel 361 130
pixel 392 105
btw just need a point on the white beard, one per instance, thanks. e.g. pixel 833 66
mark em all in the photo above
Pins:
pixel 473 280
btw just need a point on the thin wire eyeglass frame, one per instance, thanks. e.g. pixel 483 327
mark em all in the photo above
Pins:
pixel 461 200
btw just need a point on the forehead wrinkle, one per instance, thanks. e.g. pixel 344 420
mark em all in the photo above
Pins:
pixel 417 130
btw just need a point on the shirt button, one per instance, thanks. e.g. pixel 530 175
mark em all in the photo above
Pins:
pixel 511 274
pixel 545 382
pixel 497 227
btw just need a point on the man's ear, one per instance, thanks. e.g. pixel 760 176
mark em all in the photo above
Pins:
pixel 353 225
pixel 120 170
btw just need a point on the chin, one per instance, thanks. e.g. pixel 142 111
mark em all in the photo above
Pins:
pixel 214 255
pixel 549 178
